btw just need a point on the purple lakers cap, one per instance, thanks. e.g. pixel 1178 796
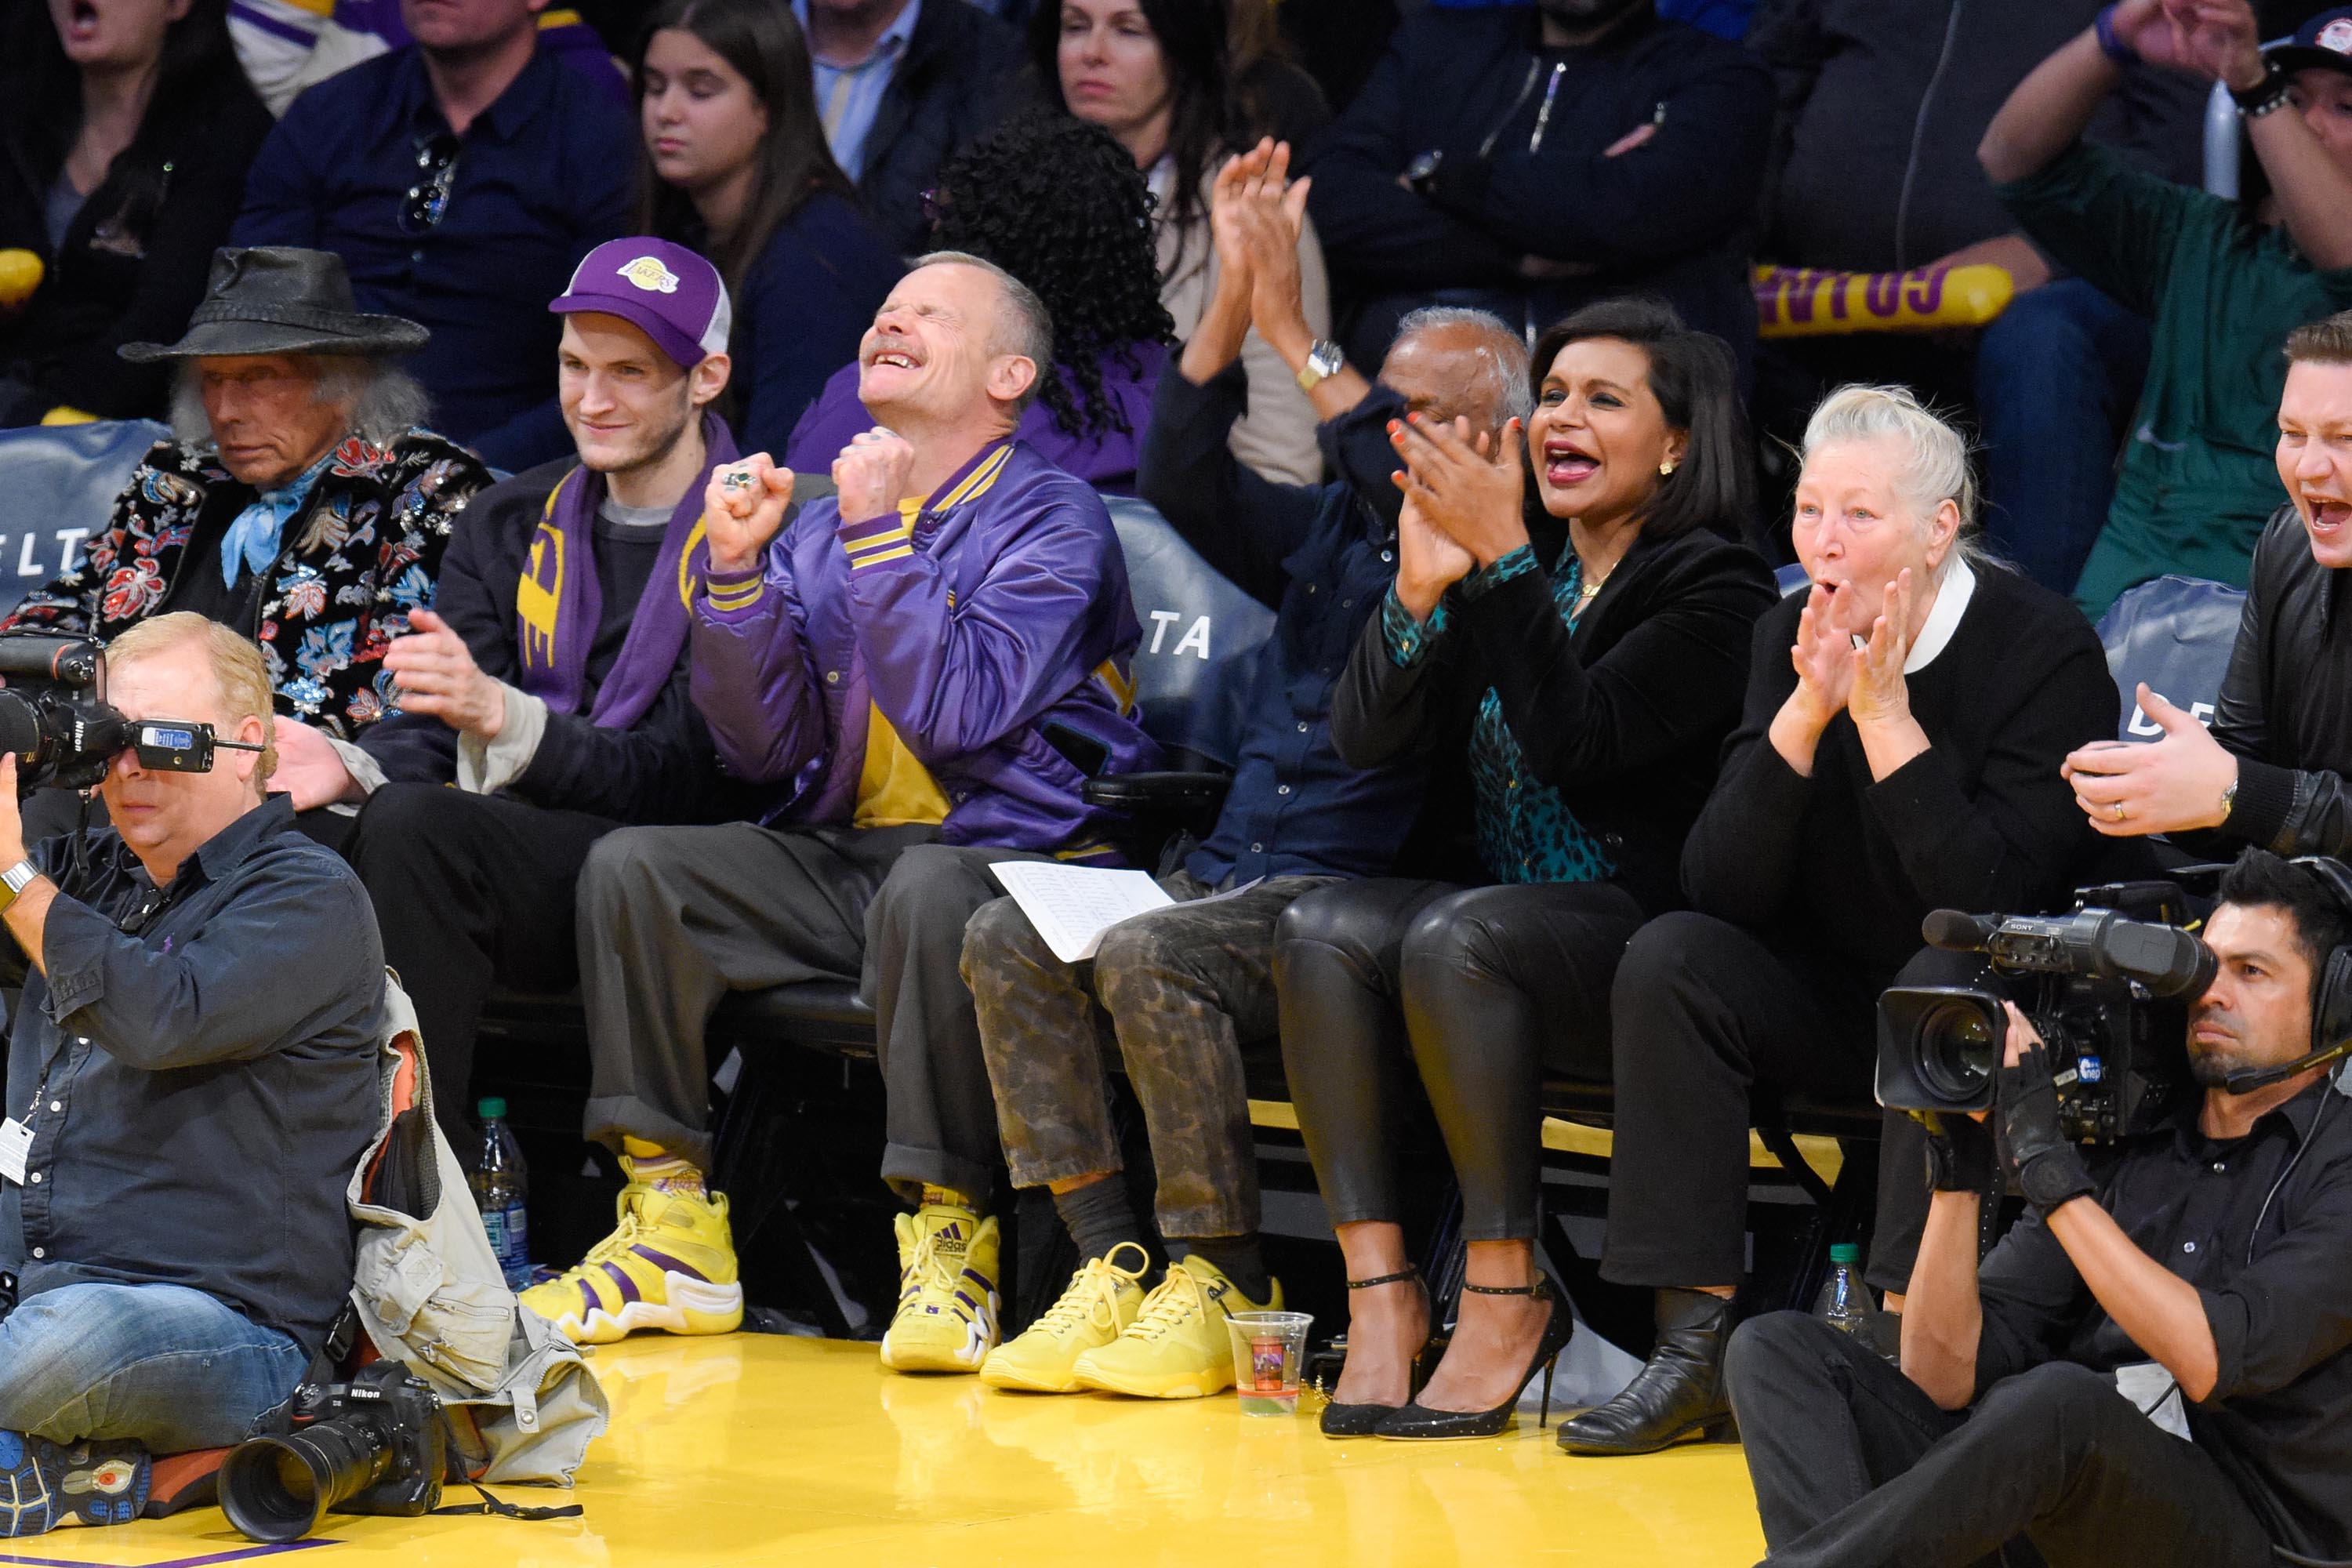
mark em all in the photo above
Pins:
pixel 670 291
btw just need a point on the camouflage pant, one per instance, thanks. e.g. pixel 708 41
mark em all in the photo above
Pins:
pixel 1180 989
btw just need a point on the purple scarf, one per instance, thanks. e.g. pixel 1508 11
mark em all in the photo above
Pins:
pixel 558 600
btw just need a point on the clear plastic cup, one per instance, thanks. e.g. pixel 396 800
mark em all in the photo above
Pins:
pixel 1269 1350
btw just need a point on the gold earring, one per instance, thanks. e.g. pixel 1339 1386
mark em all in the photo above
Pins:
pixel 1665 468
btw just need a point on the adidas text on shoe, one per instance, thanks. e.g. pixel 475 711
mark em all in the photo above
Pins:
pixel 946 1317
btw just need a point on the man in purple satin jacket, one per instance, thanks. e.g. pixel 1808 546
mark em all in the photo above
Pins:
pixel 940 654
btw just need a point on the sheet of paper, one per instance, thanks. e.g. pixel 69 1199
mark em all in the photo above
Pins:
pixel 1072 906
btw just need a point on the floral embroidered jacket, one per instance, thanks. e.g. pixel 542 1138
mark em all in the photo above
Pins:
pixel 363 553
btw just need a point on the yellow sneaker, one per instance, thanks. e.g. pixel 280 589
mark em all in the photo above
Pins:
pixel 1102 1299
pixel 670 1266
pixel 1177 1348
pixel 946 1319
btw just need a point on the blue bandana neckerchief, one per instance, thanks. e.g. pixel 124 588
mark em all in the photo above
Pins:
pixel 255 537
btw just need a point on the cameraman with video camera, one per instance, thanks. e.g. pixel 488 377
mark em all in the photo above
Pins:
pixel 191 1080
pixel 2151 1367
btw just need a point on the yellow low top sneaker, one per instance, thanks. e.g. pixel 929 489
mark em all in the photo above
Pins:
pixel 1177 1348
pixel 1103 1298
pixel 946 1319
pixel 671 1264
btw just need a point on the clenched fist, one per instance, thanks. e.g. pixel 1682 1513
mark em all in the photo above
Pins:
pixel 871 474
pixel 743 507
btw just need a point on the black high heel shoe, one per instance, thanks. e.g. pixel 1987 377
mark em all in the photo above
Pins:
pixel 1417 1421
pixel 1358 1420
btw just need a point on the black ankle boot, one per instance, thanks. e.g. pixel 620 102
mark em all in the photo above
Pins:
pixel 1678 1394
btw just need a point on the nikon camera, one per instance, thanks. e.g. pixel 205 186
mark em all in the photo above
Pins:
pixel 2106 985
pixel 378 1444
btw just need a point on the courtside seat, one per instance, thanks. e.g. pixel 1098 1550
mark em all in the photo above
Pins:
pixel 2175 633
pixel 57 485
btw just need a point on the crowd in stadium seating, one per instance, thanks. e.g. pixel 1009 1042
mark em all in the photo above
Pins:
pixel 681 564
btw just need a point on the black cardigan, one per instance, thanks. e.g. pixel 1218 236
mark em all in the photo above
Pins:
pixel 1623 715
pixel 1837 871
pixel 135 257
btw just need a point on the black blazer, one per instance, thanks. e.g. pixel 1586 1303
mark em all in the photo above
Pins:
pixel 1625 716
pixel 135 257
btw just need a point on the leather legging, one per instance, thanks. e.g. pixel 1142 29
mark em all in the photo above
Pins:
pixel 1477 991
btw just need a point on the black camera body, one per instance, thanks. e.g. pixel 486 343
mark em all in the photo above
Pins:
pixel 378 1444
pixel 55 717
pixel 2105 985
pixel 54 713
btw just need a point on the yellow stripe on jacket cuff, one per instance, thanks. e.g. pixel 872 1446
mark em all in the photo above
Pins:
pixel 727 594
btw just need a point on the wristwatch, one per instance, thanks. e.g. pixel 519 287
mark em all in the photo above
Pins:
pixel 1324 360
pixel 16 878
pixel 2229 801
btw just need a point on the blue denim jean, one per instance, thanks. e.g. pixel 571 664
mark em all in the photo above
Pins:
pixel 2058 375
pixel 167 1367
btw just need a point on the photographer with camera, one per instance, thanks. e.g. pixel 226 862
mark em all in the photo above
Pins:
pixel 191 1080
pixel 2151 1367
pixel 2272 771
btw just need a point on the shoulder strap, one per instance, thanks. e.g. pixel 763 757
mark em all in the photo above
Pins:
pixel 492 1505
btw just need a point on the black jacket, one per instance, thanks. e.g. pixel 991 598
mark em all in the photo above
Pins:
pixel 1625 716
pixel 663 771
pixel 1670 218
pixel 1881 104
pixel 134 259
pixel 962 73
pixel 1836 871
pixel 2285 708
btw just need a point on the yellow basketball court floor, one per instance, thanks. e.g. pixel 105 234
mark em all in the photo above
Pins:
pixel 756 1449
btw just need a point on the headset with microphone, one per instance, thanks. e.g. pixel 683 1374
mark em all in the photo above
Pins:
pixel 2331 1003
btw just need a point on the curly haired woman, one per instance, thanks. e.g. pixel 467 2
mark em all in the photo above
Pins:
pixel 1061 205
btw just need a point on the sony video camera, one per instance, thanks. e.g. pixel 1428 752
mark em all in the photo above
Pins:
pixel 378 1444
pixel 54 715
pixel 2106 985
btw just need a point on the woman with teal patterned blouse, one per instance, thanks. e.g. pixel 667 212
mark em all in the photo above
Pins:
pixel 1586 660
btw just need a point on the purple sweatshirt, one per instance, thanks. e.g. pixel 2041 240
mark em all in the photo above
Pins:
pixel 991 618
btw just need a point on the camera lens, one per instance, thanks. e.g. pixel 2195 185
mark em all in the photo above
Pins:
pixel 1959 1048
pixel 279 1489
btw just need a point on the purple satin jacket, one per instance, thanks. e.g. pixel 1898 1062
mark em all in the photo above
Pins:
pixel 1106 461
pixel 984 625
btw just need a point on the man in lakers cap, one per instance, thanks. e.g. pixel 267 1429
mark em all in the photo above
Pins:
pixel 548 683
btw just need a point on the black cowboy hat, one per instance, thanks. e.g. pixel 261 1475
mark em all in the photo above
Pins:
pixel 276 299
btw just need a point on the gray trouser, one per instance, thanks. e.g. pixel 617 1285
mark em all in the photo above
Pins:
pixel 671 918
pixel 1183 988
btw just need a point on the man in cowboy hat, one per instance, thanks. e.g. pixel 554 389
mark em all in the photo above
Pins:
pixel 299 499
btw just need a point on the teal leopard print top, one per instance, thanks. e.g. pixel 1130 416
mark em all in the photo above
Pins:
pixel 1525 831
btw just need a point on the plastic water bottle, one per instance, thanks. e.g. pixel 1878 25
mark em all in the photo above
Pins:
pixel 1844 1300
pixel 502 1192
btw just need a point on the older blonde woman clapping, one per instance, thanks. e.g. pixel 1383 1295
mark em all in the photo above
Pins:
pixel 1899 753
